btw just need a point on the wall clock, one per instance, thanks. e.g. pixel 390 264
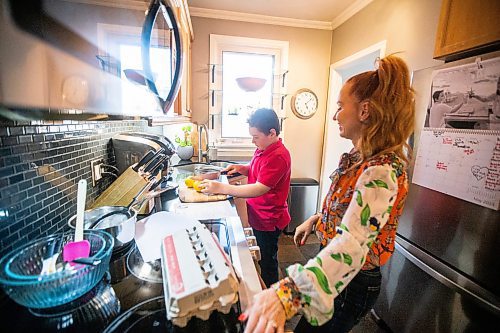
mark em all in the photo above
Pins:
pixel 304 103
pixel 75 90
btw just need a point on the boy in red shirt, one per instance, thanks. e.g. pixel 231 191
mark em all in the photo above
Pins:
pixel 267 189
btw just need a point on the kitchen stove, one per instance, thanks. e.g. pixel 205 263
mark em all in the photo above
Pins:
pixel 130 297
pixel 151 316
pixel 91 312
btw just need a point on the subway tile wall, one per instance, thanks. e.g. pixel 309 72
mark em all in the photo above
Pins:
pixel 41 163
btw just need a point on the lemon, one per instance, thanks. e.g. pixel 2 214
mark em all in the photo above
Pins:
pixel 189 181
pixel 197 185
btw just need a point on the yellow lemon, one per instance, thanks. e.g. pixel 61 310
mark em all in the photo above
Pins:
pixel 197 185
pixel 189 181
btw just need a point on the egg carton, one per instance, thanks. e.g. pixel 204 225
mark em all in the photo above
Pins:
pixel 198 276
pixel 223 305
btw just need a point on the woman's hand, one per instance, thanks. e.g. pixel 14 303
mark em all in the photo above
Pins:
pixel 303 231
pixel 266 314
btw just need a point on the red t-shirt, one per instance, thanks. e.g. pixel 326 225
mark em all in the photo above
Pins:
pixel 271 167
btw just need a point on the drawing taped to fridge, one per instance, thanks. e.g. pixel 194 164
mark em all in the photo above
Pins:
pixel 461 163
pixel 466 96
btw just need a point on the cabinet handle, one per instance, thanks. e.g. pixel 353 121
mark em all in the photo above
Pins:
pixel 147 29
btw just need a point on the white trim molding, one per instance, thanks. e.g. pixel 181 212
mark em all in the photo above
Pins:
pixel 256 18
pixel 239 16
pixel 349 12
pixel 125 4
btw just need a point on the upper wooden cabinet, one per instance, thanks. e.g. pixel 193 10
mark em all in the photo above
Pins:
pixel 466 26
pixel 183 103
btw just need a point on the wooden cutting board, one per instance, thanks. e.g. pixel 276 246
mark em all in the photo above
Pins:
pixel 122 191
pixel 189 195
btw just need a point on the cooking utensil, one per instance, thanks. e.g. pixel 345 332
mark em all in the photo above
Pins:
pixel 119 221
pixel 116 219
pixel 145 159
pixel 21 278
pixel 123 231
pixel 152 161
pixel 79 248
pixel 152 167
pixel 87 261
pixel 49 264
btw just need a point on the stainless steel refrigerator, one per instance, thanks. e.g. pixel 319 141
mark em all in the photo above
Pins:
pixel 445 273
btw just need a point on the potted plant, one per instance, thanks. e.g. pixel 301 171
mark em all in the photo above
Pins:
pixel 185 147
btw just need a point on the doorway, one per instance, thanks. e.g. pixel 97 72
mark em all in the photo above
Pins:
pixel 333 145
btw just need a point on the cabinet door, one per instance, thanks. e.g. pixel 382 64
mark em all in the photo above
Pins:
pixel 465 25
pixel 183 103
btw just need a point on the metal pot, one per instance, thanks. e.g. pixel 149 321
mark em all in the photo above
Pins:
pixel 120 223
pixel 207 172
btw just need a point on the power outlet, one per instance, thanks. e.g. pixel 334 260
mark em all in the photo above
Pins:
pixel 95 167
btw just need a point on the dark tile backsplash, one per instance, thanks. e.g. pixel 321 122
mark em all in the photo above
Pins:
pixel 40 165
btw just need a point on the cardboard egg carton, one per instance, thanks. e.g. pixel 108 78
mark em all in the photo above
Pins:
pixel 198 276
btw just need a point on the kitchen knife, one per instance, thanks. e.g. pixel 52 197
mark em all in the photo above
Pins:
pixel 163 161
pixel 235 174
pixel 155 157
pixel 145 159
pixel 158 182
pixel 153 164
pixel 155 172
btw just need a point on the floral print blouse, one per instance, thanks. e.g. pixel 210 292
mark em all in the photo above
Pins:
pixel 357 227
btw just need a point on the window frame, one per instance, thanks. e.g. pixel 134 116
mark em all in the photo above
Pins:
pixel 224 43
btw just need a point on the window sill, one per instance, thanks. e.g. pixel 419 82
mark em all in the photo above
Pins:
pixel 227 151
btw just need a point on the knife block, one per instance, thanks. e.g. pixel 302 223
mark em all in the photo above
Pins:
pixel 123 190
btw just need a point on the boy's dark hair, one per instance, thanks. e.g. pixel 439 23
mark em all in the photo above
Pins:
pixel 264 120
pixel 436 94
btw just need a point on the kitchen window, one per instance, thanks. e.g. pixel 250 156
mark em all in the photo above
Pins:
pixel 244 74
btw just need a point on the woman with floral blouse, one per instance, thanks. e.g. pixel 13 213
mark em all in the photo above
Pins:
pixel 358 221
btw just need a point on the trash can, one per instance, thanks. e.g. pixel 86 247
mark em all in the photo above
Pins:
pixel 302 201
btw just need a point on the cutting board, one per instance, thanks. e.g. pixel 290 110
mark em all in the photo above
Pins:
pixel 189 195
pixel 122 191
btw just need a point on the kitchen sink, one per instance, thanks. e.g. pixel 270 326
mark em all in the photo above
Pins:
pixel 191 166
pixel 222 164
pixel 182 171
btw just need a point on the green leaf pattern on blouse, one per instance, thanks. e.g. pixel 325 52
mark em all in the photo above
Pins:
pixel 344 256
pixel 321 278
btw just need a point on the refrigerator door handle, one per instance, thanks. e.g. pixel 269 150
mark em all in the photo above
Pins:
pixel 448 276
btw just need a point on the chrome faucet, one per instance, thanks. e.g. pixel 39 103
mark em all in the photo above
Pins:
pixel 202 153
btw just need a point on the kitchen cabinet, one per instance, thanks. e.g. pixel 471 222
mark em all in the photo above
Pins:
pixel 467 27
pixel 183 102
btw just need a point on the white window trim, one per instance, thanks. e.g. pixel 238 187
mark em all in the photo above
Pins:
pixel 220 43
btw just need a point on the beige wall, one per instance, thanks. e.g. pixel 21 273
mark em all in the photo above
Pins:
pixel 308 62
pixel 408 26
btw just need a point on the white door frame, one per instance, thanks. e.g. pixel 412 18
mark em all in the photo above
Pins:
pixel 335 84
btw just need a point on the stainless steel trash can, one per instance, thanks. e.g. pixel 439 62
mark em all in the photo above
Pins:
pixel 302 201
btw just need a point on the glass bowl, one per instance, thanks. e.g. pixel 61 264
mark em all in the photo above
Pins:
pixel 25 278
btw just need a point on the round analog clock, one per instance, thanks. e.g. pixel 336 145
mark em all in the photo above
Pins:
pixel 75 90
pixel 304 103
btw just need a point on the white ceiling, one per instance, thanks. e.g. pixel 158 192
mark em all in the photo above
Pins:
pixel 328 13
